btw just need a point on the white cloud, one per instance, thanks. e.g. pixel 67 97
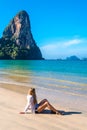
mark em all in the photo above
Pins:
pixel 72 42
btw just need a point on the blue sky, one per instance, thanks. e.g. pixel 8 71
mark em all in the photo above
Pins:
pixel 59 27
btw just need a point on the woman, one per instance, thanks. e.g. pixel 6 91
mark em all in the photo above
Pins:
pixel 34 106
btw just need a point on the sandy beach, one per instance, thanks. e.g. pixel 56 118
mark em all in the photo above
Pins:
pixel 13 101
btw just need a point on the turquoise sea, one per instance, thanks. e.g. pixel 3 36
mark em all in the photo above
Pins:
pixel 61 82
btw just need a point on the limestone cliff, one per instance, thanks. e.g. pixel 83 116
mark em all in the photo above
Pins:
pixel 19 32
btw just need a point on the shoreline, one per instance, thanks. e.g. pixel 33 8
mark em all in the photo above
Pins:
pixel 12 102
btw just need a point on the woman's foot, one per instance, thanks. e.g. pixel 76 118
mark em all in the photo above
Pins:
pixel 59 113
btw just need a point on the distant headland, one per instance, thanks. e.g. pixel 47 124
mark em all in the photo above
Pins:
pixel 17 41
pixel 73 58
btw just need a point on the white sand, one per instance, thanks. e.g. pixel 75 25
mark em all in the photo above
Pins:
pixel 11 103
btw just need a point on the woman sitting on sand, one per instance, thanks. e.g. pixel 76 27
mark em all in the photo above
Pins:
pixel 34 106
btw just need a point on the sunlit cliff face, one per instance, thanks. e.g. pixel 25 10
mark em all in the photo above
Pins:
pixel 20 23
pixel 22 30
pixel 17 23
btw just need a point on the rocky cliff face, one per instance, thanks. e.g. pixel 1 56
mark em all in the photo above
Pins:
pixel 19 31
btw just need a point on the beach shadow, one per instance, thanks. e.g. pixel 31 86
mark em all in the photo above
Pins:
pixel 62 112
pixel 70 112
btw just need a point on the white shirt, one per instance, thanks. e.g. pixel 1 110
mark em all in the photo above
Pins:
pixel 30 104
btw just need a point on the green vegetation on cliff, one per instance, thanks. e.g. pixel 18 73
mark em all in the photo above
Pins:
pixel 10 50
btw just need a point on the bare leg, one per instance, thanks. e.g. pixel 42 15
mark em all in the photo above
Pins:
pixel 43 104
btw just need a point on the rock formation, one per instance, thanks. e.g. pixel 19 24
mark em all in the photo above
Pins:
pixel 19 32
pixel 72 58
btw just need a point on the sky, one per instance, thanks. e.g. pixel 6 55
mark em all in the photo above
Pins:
pixel 59 27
